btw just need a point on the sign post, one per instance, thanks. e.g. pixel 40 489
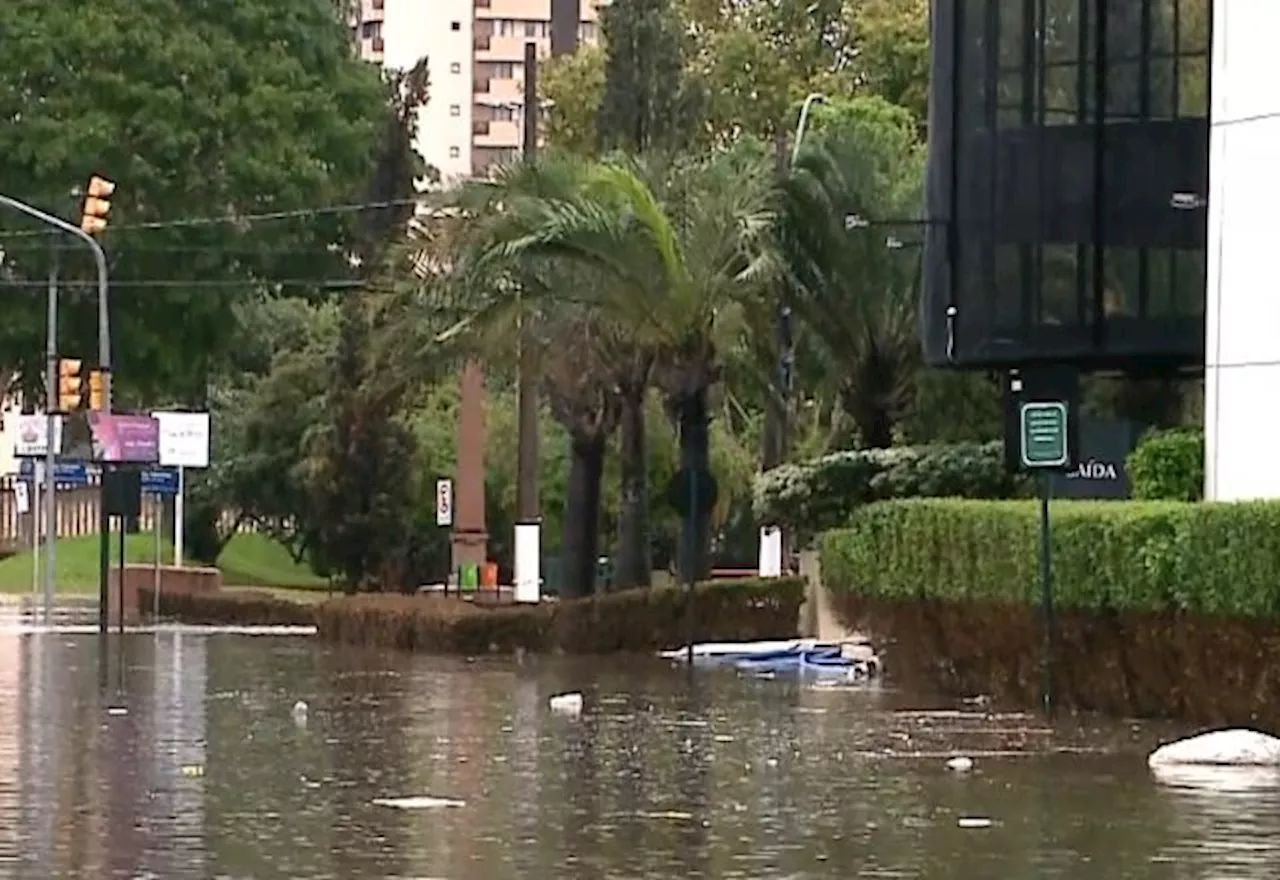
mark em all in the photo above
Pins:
pixel 184 443
pixel 1043 441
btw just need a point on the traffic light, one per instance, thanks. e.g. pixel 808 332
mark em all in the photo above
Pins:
pixel 95 390
pixel 97 205
pixel 69 391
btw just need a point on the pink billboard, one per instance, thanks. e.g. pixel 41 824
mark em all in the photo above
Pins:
pixel 125 439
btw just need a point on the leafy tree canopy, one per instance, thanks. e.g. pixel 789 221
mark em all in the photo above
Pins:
pixel 215 109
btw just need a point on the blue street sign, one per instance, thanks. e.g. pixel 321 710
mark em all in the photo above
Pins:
pixel 160 481
pixel 65 473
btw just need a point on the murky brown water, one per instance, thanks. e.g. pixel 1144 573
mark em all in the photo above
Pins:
pixel 208 775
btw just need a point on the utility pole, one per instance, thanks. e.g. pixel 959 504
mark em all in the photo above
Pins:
pixel 777 427
pixel 51 436
pixel 528 504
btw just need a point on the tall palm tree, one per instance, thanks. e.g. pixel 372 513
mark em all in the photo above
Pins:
pixel 849 204
pixel 576 343
pixel 681 266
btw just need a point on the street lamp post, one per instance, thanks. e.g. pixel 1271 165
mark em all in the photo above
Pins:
pixel 51 350
pixel 776 446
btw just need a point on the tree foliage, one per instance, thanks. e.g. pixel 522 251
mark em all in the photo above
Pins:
pixel 572 89
pixel 196 110
pixel 649 101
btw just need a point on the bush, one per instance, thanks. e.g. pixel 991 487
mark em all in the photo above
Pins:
pixel 823 494
pixel 640 620
pixel 228 608
pixel 1216 559
pixel 629 620
pixel 1168 466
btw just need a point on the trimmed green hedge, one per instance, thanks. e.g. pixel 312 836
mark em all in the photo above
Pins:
pixel 1218 559
pixel 823 494
pixel 1168 465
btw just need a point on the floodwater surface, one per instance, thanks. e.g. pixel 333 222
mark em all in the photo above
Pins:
pixel 208 773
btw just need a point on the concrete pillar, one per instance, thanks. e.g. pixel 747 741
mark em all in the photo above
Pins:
pixel 470 537
pixel 1242 303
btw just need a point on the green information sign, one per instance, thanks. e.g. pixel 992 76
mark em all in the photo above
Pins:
pixel 1044 435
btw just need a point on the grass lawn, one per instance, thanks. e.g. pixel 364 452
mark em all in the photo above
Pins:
pixel 251 560
pixel 248 560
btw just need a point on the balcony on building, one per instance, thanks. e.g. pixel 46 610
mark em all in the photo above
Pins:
pixel 1067 184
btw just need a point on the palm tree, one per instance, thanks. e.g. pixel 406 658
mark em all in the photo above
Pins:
pixel 856 185
pixel 680 268
pixel 576 344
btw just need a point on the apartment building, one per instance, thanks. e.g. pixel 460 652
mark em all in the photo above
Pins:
pixel 475 52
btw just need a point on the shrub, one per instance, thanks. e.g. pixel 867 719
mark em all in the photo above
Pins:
pixel 626 621
pixel 629 620
pixel 823 494
pixel 1217 559
pixel 229 608
pixel 1168 465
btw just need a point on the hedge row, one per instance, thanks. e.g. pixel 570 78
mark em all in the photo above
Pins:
pixel 630 620
pixel 228 608
pixel 626 621
pixel 1214 559
pixel 823 494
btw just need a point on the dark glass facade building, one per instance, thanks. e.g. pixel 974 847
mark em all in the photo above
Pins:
pixel 1067 183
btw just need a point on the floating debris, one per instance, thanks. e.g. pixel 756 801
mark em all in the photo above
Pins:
pixel 567 704
pixel 1236 747
pixel 419 802
pixel 960 764
pixel 974 822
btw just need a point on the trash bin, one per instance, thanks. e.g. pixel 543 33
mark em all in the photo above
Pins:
pixel 468 577
pixel 489 576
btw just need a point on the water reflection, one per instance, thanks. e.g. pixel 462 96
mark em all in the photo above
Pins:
pixel 208 774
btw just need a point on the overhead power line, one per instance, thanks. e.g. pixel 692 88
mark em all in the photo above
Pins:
pixel 238 219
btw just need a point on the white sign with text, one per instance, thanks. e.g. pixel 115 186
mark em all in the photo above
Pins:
pixel 184 439
pixel 444 502
pixel 32 436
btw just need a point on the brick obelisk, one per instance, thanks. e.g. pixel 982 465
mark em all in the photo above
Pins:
pixel 470 537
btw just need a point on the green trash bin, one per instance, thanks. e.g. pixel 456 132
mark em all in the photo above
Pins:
pixel 468 577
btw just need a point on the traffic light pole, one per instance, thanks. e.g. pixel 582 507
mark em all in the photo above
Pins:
pixel 51 427
pixel 104 344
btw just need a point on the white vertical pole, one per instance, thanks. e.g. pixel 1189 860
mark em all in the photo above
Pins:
pixel 33 505
pixel 179 514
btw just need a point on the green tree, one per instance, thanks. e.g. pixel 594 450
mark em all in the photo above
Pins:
pixel 360 474
pixel 649 101
pixel 683 263
pixel 571 88
pixel 216 110
pixel 851 200
pixel 891 51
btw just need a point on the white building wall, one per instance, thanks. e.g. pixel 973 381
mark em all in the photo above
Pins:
pixel 1242 306
pixel 414 28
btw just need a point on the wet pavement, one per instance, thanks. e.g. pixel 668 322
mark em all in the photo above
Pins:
pixel 208 772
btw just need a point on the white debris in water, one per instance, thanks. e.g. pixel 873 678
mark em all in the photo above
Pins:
pixel 419 802
pixel 1238 747
pixel 1218 778
pixel 300 710
pixel 960 764
pixel 117 710
pixel 974 822
pixel 567 704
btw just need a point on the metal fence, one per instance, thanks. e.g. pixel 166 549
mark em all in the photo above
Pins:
pixel 76 513
pixel 1068 175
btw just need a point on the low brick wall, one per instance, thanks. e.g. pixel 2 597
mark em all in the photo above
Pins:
pixel 200 581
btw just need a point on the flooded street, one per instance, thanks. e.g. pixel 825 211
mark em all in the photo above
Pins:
pixel 209 774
